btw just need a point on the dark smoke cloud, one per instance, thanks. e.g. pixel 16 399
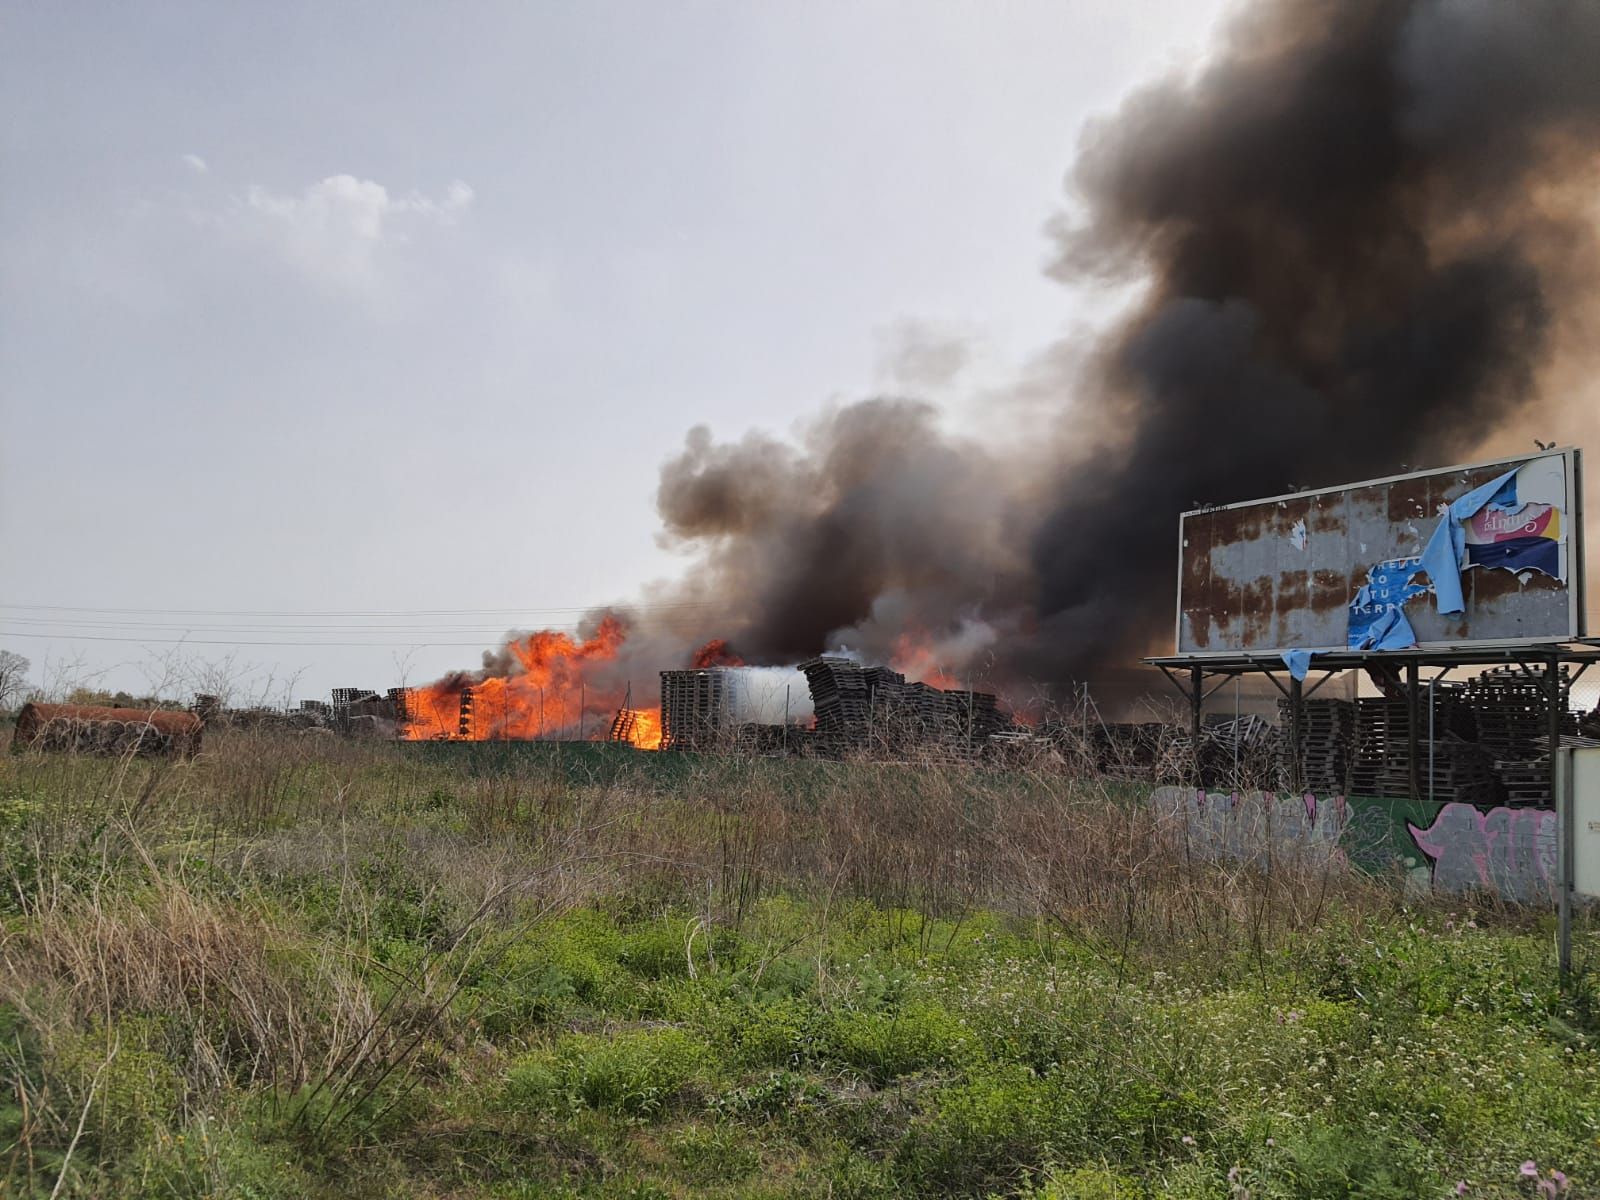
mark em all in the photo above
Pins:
pixel 1358 230
pixel 877 524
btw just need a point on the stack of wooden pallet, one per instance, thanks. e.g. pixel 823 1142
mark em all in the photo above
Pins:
pixel 1452 770
pixel 695 708
pixel 839 696
pixel 1382 729
pixel 623 725
pixel 856 706
pixel 1324 751
pixel 1382 754
pixel 1525 781
pixel 1513 709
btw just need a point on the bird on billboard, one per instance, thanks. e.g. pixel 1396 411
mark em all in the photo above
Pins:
pixel 1544 445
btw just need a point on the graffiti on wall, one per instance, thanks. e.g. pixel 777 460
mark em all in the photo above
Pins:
pixel 1255 826
pixel 1454 847
pixel 1510 851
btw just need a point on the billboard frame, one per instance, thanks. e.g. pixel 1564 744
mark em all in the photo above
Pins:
pixel 1577 616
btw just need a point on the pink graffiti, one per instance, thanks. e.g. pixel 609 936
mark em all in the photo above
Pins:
pixel 1511 851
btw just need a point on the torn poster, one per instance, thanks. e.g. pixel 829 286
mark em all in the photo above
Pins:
pixel 1445 556
pixel 1526 538
pixel 1391 631
pixel 1298 662
pixel 1389 585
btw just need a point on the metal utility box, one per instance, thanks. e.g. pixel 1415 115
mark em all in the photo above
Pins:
pixel 1577 837
pixel 1579 819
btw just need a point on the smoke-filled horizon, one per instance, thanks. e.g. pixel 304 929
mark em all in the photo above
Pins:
pixel 1358 229
pixel 1358 233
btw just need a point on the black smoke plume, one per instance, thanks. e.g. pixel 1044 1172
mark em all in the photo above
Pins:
pixel 1358 229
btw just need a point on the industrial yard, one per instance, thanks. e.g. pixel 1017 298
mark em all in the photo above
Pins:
pixel 831 929
pixel 875 601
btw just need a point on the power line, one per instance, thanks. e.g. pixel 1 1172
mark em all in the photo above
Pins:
pixel 90 637
pixel 357 612
pixel 55 622
pixel 496 634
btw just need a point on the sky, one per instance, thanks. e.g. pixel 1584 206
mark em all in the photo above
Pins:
pixel 338 340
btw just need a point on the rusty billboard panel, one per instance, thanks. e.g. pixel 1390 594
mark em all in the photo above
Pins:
pixel 1298 571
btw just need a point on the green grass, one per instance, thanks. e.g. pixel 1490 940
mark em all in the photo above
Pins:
pixel 298 969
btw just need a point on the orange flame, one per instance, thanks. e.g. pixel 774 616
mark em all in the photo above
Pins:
pixel 715 653
pixel 914 657
pixel 641 726
pixel 553 695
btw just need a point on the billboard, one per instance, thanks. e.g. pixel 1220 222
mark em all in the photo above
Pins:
pixel 1347 568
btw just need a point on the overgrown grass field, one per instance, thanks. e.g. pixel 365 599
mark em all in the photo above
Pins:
pixel 304 967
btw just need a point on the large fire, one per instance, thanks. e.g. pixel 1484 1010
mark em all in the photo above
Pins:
pixel 715 653
pixel 552 686
pixel 916 658
pixel 551 693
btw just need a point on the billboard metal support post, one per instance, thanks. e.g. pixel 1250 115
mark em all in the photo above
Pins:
pixel 1296 767
pixel 1413 733
pixel 1433 737
pixel 1552 687
pixel 1196 698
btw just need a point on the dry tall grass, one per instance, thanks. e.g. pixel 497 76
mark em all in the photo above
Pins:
pixel 157 889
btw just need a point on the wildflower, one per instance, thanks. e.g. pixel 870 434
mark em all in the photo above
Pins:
pixel 1272 1141
pixel 1461 1188
pixel 1530 1170
pixel 1187 1140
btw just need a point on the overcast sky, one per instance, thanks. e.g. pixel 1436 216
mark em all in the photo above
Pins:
pixel 314 312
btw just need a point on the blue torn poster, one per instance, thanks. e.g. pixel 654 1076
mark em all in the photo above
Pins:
pixel 1445 556
pixel 1380 601
pixel 1391 631
pixel 1298 662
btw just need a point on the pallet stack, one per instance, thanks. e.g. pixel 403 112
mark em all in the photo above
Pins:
pixel 1381 765
pixel 696 708
pixel 1327 737
pixel 839 696
pixel 623 725
pixel 1455 770
pixel 1526 781
pixel 1382 729
pixel 1513 711
pixel 1513 708
pixel 1243 753
pixel 975 716
pixel 856 706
